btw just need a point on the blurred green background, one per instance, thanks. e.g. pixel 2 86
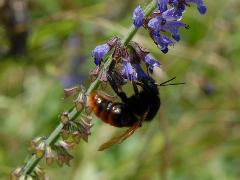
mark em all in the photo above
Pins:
pixel 196 134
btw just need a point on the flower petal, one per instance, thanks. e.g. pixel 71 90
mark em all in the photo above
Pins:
pixel 138 15
pixel 162 5
pixel 155 25
pixel 163 42
pixel 151 62
pixel 173 28
pixel 128 71
pixel 200 5
pixel 139 72
pixel 99 52
pixel 172 15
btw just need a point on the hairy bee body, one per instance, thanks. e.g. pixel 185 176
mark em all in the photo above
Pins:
pixel 128 112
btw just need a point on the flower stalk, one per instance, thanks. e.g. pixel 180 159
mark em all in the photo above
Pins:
pixel 73 112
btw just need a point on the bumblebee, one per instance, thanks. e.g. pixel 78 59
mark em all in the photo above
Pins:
pixel 129 111
pixel 132 111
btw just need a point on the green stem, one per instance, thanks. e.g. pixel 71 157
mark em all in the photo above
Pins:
pixel 73 114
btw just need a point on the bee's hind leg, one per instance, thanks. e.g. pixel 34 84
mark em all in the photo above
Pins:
pixel 115 83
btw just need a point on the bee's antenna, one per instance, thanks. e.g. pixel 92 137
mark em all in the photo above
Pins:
pixel 165 83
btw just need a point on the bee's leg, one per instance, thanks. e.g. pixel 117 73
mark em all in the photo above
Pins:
pixel 113 79
pixel 135 88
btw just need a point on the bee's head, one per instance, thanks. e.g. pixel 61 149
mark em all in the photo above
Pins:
pixel 149 85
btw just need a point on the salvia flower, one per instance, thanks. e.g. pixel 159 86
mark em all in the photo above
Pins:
pixel 138 15
pixel 142 55
pixel 163 42
pixel 128 71
pixel 200 5
pixel 180 5
pixel 168 19
pixel 171 15
pixel 167 23
pixel 173 28
pixel 101 50
pixel 151 62
pixel 162 5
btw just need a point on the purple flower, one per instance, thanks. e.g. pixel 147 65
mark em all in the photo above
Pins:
pixel 170 25
pixel 139 72
pixel 180 5
pixel 162 5
pixel 151 62
pixel 155 25
pixel 99 52
pixel 128 71
pixel 200 5
pixel 138 15
pixel 173 28
pixel 163 42
pixel 171 15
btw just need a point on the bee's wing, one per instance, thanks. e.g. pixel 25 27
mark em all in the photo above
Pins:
pixel 120 138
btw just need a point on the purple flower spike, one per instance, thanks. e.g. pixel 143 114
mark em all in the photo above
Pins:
pixel 151 62
pixel 99 52
pixel 162 5
pixel 138 15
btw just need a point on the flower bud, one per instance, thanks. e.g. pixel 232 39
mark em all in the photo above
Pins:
pixel 79 102
pixel 40 149
pixel 65 134
pixel 49 155
pixel 76 137
pixel 138 15
pixel 15 175
pixel 64 118
pixel 34 144
pixel 65 145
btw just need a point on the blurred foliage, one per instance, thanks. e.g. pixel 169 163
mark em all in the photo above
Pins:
pixel 194 136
